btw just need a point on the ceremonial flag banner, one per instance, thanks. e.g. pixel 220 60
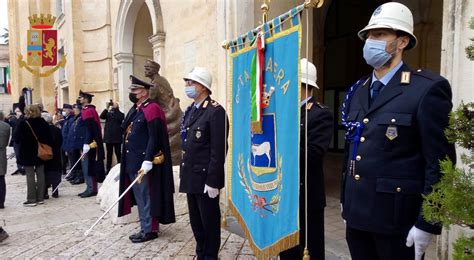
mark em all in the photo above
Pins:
pixel 264 166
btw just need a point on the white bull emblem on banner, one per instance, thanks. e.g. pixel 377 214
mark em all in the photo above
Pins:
pixel 261 149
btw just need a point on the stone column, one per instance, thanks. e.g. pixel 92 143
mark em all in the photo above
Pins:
pixel 158 42
pixel 124 70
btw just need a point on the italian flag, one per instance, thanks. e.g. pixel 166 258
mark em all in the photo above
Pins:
pixel 256 83
pixel 8 84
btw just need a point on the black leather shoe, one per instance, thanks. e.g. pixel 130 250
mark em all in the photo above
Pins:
pixel 82 193
pixel 146 237
pixel 89 194
pixel 135 236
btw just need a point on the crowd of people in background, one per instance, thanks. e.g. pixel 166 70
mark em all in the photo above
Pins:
pixel 65 132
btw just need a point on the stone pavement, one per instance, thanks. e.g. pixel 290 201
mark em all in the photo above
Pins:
pixel 55 230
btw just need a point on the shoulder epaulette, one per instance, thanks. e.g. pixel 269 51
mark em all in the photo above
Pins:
pixel 215 103
pixel 426 74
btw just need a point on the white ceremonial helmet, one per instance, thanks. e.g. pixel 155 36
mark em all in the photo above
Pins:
pixel 200 75
pixel 308 77
pixel 393 16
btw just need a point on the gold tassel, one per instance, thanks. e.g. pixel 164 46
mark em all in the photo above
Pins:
pixel 306 254
pixel 224 221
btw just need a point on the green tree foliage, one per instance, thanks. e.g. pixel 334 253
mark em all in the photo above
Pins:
pixel 452 199
pixel 5 35
pixel 470 48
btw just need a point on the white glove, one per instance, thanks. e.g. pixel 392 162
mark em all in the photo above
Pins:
pixel 421 239
pixel 212 192
pixel 342 208
pixel 85 148
pixel 146 166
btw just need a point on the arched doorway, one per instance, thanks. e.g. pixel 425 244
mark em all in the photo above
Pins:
pixel 139 36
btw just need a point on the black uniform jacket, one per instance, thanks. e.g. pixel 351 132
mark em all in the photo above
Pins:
pixel 92 133
pixel 320 131
pixel 145 137
pixel 204 148
pixel 399 152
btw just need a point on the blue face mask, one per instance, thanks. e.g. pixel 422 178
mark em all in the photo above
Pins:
pixel 375 54
pixel 191 92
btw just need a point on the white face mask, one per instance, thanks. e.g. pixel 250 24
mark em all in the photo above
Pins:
pixel 191 92
pixel 375 54
pixel 64 113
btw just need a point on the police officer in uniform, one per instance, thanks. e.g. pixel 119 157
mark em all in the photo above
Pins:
pixel 146 149
pixel 204 139
pixel 93 162
pixel 395 120
pixel 319 134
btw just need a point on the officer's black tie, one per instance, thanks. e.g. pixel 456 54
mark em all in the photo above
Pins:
pixel 192 112
pixel 376 88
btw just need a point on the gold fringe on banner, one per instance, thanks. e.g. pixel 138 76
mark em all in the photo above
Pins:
pixel 273 250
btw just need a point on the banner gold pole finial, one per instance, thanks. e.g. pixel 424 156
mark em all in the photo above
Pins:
pixel 225 44
pixel 313 3
pixel 265 9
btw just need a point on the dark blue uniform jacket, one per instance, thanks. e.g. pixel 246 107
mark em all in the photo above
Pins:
pixel 384 194
pixel 145 136
pixel 204 148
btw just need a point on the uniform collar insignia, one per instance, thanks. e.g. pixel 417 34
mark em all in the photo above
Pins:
pixel 405 77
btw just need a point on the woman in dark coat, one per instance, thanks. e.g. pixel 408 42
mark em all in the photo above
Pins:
pixel 53 168
pixel 28 152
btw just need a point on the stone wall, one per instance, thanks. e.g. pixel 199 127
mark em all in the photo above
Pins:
pixel 458 69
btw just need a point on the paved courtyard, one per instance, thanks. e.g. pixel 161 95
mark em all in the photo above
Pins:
pixel 55 230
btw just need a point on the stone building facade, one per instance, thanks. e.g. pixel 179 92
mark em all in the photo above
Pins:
pixel 5 97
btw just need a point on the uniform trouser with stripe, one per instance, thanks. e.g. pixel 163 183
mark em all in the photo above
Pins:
pixel 90 180
pixel 141 191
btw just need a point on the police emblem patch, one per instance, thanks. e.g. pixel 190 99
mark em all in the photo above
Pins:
pixel 391 133
pixel 198 134
pixel 377 11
